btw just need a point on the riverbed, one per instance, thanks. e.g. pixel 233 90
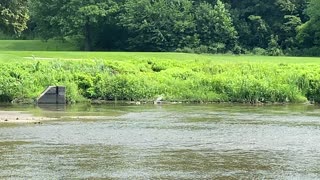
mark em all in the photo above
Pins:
pixel 216 141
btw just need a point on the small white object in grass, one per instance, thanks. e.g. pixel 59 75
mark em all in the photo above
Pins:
pixel 158 100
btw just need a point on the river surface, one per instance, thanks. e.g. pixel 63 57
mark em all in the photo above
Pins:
pixel 221 141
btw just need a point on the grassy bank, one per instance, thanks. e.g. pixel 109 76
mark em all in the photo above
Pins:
pixel 145 76
pixel 36 45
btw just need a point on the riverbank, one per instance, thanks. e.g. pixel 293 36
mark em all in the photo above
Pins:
pixel 144 77
pixel 21 117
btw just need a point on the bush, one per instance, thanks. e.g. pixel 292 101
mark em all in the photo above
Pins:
pixel 314 51
pixel 259 51
pixel 201 49
pixel 185 50
pixel 275 52
pixel 237 50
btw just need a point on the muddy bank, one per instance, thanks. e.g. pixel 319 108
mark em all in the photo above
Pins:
pixel 21 117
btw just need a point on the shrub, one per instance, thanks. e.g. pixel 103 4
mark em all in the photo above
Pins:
pixel 201 49
pixel 258 51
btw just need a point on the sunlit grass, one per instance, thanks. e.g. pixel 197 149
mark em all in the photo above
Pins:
pixel 53 49
pixel 124 56
pixel 143 76
pixel 175 80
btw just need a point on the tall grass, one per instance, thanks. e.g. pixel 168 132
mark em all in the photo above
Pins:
pixel 140 76
pixel 175 80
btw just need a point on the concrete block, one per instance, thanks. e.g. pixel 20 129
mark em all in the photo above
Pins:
pixel 53 95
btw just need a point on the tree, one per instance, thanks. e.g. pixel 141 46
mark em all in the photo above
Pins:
pixel 159 25
pixel 13 16
pixel 313 9
pixel 273 47
pixel 309 32
pixel 72 18
pixel 257 20
pixel 289 29
pixel 168 25
pixel 214 25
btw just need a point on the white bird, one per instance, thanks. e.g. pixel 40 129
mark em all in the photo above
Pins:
pixel 158 100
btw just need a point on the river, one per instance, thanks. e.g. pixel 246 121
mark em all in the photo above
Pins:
pixel 218 141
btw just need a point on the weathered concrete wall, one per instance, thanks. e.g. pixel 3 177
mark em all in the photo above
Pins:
pixel 53 95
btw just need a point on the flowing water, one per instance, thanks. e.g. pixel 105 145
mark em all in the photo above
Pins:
pixel 221 141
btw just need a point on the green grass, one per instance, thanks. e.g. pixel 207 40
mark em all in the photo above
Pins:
pixel 124 56
pixel 11 50
pixel 143 76
pixel 36 45
pixel 144 79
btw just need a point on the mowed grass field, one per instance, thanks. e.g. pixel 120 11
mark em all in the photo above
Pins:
pixel 144 76
pixel 36 45
pixel 11 50
pixel 8 56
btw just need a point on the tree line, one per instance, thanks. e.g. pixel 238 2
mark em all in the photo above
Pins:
pixel 272 27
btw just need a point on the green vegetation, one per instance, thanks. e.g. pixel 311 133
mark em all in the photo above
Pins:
pixel 277 27
pixel 31 45
pixel 8 56
pixel 14 16
pixel 145 76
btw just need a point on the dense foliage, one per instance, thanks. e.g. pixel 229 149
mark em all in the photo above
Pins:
pixel 269 27
pixel 175 80
pixel 13 16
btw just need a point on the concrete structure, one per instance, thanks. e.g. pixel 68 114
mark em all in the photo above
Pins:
pixel 53 95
